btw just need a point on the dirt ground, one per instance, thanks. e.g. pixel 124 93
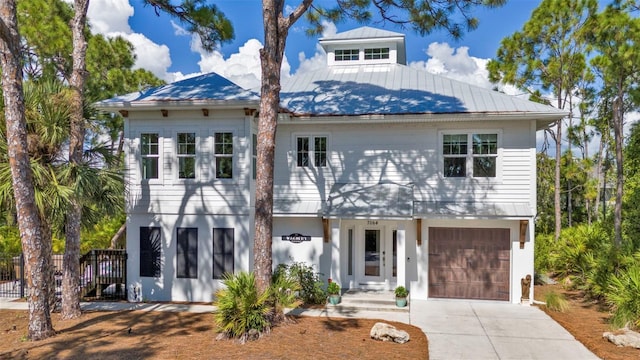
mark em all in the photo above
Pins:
pixel 586 321
pixel 164 335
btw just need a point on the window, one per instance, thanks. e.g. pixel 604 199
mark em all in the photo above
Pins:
pixel 376 54
pixel 150 251
pixel 254 155
pixel 222 252
pixel 307 145
pixel 470 155
pixel 187 253
pixel 186 155
pixel 223 150
pixel 485 155
pixel 150 155
pixel 347 55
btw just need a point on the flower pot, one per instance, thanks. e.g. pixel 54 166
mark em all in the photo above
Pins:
pixel 334 299
pixel 401 301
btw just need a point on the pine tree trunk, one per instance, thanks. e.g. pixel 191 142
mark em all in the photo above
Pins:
pixel 618 116
pixel 276 28
pixel 556 192
pixel 37 258
pixel 71 265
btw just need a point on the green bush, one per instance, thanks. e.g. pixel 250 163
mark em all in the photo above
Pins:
pixel 544 251
pixel 624 296
pixel 240 307
pixel 333 288
pixel 556 302
pixel 311 287
pixel 284 290
pixel 401 291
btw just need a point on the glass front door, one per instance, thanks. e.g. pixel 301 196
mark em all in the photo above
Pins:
pixel 374 260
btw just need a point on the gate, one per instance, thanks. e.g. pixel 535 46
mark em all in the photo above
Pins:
pixel 11 276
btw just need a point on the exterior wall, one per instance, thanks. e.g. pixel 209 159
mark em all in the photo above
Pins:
pixel 168 287
pixel 205 194
pixel 316 252
pixel 521 259
pixel 404 154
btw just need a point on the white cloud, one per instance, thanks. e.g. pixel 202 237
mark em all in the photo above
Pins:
pixel 319 58
pixel 111 18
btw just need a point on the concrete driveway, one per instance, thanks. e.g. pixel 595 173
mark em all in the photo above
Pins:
pixel 491 330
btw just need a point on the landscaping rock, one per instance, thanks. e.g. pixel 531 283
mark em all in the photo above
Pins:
pixel 624 337
pixel 386 332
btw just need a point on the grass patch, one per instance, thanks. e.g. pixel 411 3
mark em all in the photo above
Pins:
pixel 556 302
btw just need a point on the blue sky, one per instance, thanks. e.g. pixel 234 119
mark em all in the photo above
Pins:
pixel 163 48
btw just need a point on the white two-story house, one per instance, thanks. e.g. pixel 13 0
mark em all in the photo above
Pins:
pixel 385 175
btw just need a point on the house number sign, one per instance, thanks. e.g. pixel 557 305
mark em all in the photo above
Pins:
pixel 296 238
pixel 372 222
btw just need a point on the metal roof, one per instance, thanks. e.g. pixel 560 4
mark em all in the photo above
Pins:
pixel 364 32
pixel 361 201
pixel 387 89
pixel 209 87
pixel 430 209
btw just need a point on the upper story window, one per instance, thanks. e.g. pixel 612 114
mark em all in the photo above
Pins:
pixel 150 155
pixel 186 155
pixel 223 150
pixel 311 147
pixel 376 54
pixel 347 55
pixel 470 155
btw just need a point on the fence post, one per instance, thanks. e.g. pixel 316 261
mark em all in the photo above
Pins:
pixel 22 282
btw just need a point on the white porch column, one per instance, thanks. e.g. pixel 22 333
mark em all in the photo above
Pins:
pixel 335 251
pixel 401 271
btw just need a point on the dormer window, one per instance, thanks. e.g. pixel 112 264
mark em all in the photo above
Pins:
pixel 348 55
pixel 376 54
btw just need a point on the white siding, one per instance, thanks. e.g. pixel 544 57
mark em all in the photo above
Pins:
pixel 205 193
pixel 403 154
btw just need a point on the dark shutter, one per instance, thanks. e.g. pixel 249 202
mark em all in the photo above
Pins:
pixel 222 252
pixel 150 251
pixel 187 253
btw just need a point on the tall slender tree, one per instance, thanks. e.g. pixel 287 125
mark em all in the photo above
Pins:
pixel 36 252
pixel 547 54
pixel 615 37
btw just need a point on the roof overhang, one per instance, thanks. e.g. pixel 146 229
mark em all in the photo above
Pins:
pixel 176 105
pixel 543 120
pixel 472 210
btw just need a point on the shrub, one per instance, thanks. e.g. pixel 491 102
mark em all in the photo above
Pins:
pixel 283 295
pixel 240 307
pixel 311 287
pixel 544 251
pixel 556 302
pixel 624 296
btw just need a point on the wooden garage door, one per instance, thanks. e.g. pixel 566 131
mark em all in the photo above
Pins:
pixel 469 263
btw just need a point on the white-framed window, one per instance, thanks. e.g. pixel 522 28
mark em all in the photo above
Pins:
pixel 223 151
pixel 347 55
pixel 470 154
pixel 186 151
pixel 150 155
pixel 376 53
pixel 311 151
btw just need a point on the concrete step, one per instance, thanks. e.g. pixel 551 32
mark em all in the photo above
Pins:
pixel 359 300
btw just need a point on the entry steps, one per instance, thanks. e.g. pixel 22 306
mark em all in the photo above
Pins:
pixel 368 300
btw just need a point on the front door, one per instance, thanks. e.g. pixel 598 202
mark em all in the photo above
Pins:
pixel 374 256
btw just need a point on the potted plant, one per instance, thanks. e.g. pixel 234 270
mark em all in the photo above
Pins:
pixel 333 290
pixel 401 296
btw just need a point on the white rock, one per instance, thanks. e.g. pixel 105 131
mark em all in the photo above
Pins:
pixel 386 332
pixel 627 338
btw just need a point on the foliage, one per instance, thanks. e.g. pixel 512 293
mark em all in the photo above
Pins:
pixel 99 235
pixel 240 307
pixel 624 295
pixel 543 260
pixel 333 288
pixel 10 240
pixel 284 290
pixel 311 287
pixel 556 302
pixel 401 291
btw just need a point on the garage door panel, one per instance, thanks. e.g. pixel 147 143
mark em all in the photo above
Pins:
pixel 469 263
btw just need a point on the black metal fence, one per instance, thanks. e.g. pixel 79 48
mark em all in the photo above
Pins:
pixel 103 275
